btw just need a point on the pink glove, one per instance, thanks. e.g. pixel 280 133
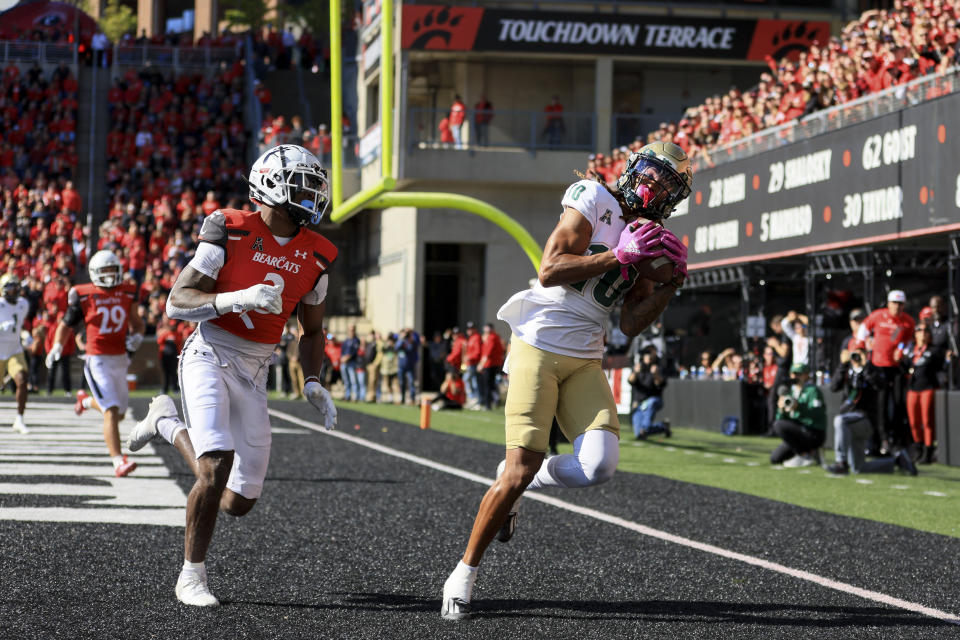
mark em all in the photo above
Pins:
pixel 638 243
pixel 676 251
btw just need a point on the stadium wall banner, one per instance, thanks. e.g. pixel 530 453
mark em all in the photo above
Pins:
pixel 889 178
pixel 443 28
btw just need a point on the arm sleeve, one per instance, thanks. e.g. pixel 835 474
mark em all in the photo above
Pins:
pixel 214 229
pixel 208 259
pixel 582 196
pixel 318 294
pixel 74 313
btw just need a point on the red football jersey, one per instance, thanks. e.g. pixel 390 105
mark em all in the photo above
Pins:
pixel 253 256
pixel 106 313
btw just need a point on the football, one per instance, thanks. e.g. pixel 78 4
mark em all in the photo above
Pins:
pixel 659 270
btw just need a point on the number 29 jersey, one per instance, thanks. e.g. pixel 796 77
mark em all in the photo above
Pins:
pixel 105 313
pixel 253 256
pixel 570 319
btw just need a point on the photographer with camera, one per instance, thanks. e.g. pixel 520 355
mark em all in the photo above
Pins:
pixel 647 382
pixel 801 420
pixel 860 382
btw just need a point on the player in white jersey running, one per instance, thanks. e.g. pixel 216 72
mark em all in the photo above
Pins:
pixel 608 246
pixel 13 311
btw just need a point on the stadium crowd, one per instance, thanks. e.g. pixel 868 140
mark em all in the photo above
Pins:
pixel 395 367
pixel 882 49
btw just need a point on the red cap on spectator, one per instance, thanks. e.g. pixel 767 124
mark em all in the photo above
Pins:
pixel 925 313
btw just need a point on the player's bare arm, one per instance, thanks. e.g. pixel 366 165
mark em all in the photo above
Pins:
pixel 192 289
pixel 643 304
pixel 563 261
pixel 312 338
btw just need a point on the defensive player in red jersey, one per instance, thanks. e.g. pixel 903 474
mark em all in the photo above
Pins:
pixel 249 273
pixel 108 308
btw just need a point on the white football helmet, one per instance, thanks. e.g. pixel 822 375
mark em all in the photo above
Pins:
pixel 105 269
pixel 289 177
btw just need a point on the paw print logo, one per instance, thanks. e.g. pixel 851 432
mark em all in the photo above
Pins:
pixel 440 28
pixel 435 24
pixel 794 38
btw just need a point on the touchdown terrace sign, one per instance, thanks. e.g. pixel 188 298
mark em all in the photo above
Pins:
pixel 441 28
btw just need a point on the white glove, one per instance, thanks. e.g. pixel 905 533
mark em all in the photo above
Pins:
pixel 259 296
pixel 54 354
pixel 134 341
pixel 9 325
pixel 322 402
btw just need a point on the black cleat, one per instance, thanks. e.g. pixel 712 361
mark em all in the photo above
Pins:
pixel 455 609
pixel 904 461
pixel 838 468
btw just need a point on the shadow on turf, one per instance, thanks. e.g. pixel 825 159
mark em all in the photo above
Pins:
pixel 701 612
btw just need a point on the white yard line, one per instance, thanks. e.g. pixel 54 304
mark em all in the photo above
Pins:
pixel 636 527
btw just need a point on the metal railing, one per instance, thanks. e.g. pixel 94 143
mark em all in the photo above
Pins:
pixel 530 130
pixel 866 108
pixel 176 57
pixel 39 52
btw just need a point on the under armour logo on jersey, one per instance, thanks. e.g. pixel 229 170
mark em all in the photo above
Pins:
pixel 606 216
pixel 258 245
pixel 300 254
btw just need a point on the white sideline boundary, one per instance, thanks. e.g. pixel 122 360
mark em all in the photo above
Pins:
pixel 874 596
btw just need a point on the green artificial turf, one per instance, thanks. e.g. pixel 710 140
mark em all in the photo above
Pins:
pixel 928 502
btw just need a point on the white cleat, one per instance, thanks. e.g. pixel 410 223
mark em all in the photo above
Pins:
pixel 192 590
pixel 161 406
pixel 19 426
pixel 455 609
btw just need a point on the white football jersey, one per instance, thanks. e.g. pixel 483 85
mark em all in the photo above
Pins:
pixel 570 319
pixel 16 312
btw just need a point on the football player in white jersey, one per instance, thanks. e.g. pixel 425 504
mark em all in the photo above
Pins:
pixel 13 311
pixel 609 246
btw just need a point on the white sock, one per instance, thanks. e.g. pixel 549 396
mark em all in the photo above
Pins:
pixel 595 456
pixel 198 568
pixel 460 582
pixel 117 461
pixel 87 402
pixel 168 428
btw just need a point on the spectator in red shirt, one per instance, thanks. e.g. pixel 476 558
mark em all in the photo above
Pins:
pixel 471 358
pixel 555 128
pixel 446 133
pixel 491 360
pixel 483 114
pixel 458 112
pixel 884 331
pixel 169 344
pixel 452 394
pixel 458 344
pixel 210 203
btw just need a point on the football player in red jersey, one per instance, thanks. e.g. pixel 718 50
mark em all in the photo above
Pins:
pixel 250 271
pixel 108 308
